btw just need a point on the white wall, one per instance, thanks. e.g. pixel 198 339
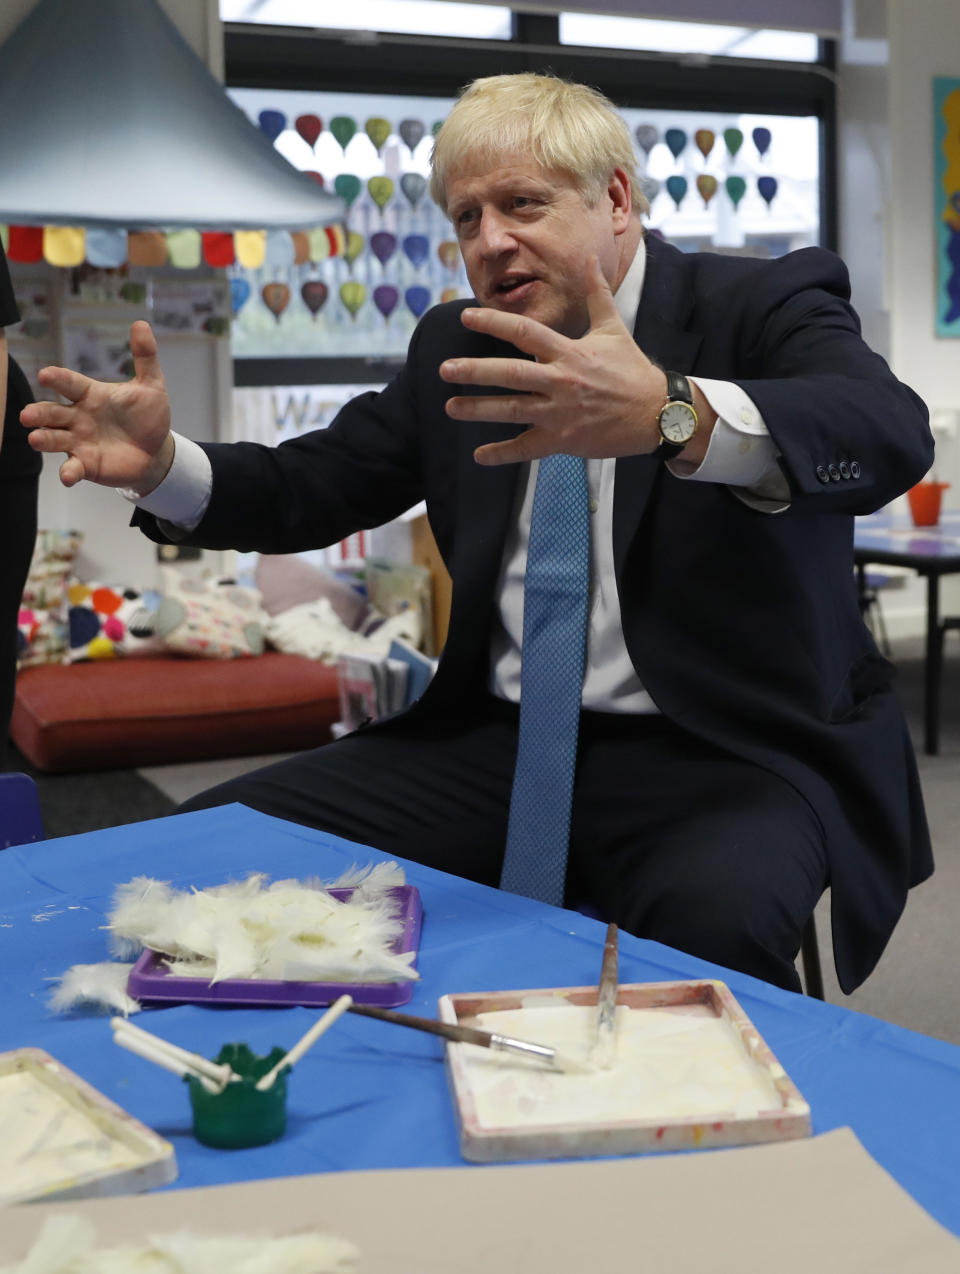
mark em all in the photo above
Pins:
pixel 886 220
pixel 924 43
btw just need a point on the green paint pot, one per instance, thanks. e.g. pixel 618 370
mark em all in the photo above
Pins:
pixel 241 1116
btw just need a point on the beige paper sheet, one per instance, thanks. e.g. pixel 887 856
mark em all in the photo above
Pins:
pixel 795 1207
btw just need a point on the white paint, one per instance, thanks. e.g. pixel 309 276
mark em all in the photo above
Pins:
pixel 671 1063
pixel 49 1141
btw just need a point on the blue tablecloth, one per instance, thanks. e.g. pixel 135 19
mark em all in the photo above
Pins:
pixel 373 1095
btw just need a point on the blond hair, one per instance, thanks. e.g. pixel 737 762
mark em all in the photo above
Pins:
pixel 567 128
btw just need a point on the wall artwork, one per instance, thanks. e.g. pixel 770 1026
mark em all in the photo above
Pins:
pixel 946 202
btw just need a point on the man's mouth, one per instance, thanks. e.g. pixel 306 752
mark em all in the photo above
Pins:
pixel 506 287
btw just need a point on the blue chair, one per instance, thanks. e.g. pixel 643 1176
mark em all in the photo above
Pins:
pixel 20 819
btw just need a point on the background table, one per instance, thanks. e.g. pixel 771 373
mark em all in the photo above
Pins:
pixel 889 539
pixel 372 1095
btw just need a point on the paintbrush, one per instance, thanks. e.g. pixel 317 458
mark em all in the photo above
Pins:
pixel 601 1054
pixel 473 1035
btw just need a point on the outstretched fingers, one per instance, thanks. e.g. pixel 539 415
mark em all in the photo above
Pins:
pixel 68 384
pixel 146 358
pixel 525 333
pixel 71 471
pixel 601 305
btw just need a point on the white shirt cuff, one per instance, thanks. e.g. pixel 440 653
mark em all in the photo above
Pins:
pixel 741 454
pixel 184 494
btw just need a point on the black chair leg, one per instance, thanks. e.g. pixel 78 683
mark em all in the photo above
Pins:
pixel 810 959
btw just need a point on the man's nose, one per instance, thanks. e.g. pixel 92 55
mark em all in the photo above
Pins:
pixel 495 234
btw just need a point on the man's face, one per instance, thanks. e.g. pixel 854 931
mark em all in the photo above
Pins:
pixel 526 235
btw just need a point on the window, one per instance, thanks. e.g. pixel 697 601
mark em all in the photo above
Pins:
pixel 728 181
pixel 409 17
pixel 734 157
pixel 692 39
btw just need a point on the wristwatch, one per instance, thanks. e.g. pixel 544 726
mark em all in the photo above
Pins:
pixel 677 420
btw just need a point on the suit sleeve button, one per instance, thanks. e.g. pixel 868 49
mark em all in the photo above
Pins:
pixel 834 472
pixel 822 474
pixel 844 469
pixel 854 468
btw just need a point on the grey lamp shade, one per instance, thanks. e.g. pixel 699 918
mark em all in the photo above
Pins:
pixel 109 119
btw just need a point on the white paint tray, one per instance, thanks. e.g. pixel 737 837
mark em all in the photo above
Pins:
pixel 62 1139
pixel 691 1072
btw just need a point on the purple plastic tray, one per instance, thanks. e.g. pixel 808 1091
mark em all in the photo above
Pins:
pixel 150 979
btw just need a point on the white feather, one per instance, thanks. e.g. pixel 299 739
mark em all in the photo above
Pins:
pixel 65 1245
pixel 101 985
pixel 289 929
pixel 61 1241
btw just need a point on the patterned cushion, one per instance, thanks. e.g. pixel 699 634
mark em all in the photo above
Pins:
pixel 107 620
pixel 42 626
pixel 212 619
pixel 41 637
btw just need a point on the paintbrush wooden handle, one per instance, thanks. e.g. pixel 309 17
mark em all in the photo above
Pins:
pixel 472 1035
pixel 607 988
pixel 448 1030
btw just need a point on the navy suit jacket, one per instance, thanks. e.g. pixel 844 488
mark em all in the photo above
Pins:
pixel 743 626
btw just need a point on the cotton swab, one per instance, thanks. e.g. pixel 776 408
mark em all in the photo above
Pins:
pixel 337 1009
pixel 165 1060
pixel 220 1074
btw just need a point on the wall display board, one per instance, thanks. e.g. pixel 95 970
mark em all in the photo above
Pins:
pixel 740 183
pixel 946 202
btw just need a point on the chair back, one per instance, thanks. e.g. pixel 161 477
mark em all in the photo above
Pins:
pixel 20 819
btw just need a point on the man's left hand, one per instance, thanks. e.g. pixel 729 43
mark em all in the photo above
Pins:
pixel 596 396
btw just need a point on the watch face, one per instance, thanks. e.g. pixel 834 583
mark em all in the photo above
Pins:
pixel 678 421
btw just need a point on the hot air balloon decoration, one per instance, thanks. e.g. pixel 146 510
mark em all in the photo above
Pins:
pixel 309 127
pixel 353 295
pixel 343 128
pixel 314 293
pixel 276 297
pixel 385 298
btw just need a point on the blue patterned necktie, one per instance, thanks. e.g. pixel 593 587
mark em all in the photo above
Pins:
pixel 555 597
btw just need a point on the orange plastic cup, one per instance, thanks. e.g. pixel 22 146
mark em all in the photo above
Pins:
pixel 925 499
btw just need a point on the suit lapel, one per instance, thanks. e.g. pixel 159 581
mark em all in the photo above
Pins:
pixel 662 332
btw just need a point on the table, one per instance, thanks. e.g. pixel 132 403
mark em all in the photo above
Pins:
pixel 373 1095
pixel 889 539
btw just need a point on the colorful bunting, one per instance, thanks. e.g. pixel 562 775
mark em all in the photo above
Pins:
pixel 184 249
pixel 26 244
pixel 279 249
pixel 107 249
pixel 250 247
pixel 64 245
pixel 149 247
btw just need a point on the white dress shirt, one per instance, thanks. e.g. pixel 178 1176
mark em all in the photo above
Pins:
pixel 741 455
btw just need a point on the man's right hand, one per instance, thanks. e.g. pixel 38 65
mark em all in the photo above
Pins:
pixel 117 435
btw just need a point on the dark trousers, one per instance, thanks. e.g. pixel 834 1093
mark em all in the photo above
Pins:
pixel 671 838
pixel 18 516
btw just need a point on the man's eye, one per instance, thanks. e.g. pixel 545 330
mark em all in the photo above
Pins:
pixel 465 218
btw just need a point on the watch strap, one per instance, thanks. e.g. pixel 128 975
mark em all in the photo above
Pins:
pixel 666 450
pixel 678 388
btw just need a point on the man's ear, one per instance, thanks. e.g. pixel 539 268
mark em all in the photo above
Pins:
pixel 618 189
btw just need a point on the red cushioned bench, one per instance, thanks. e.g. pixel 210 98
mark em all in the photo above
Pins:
pixel 124 713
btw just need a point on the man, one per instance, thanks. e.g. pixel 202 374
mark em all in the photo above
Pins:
pixel 740 747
